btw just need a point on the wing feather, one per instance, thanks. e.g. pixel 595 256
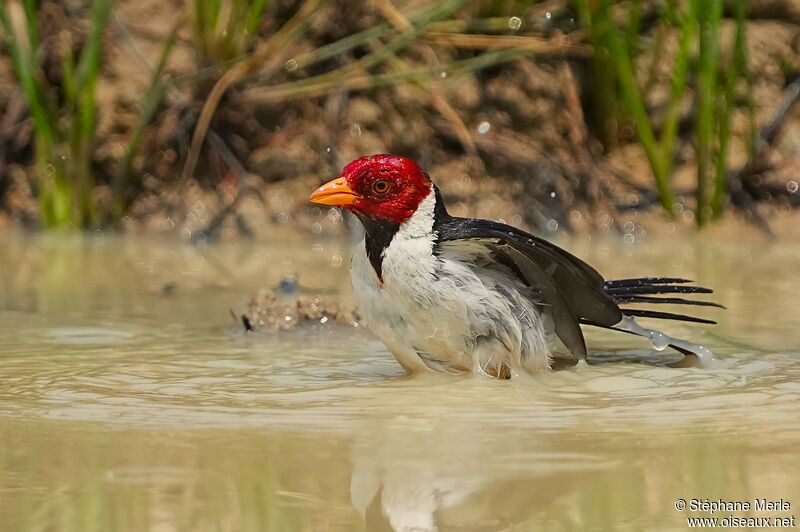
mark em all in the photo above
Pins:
pixel 575 292
pixel 567 327
pixel 580 284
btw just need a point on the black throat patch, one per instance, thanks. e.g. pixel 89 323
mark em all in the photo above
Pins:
pixel 378 235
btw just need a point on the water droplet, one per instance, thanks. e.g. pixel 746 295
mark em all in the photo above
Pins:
pixel 443 75
pixel 548 15
pixel 290 65
pixel 283 217
pixel 317 247
pixel 287 318
pixel 659 340
pixel 628 227
pixel 334 216
pixel 552 225
pixel 336 260
pixel 316 228
pixel 552 194
pixel 484 127
pixel 514 23
pixel 324 319
pixel 628 238
pixel 328 149
pixel 791 187
pixel 355 130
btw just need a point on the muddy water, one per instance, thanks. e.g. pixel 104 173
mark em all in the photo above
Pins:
pixel 130 401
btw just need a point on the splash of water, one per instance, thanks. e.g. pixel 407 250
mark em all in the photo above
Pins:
pixel 661 341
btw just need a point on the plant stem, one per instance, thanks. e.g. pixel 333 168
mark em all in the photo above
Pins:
pixel 604 116
pixel 669 133
pixel 738 69
pixel 660 165
pixel 708 68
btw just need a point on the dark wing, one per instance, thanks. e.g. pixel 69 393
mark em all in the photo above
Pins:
pixel 576 292
pixel 566 326
pixel 572 288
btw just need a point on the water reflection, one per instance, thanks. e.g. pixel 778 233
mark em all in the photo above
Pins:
pixel 550 483
pixel 426 476
pixel 127 407
pixel 478 457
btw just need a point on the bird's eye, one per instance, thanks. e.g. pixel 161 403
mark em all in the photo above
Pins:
pixel 381 187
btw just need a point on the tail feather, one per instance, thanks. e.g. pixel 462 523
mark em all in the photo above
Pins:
pixel 642 290
pixel 645 281
pixel 657 289
pixel 665 316
pixel 665 300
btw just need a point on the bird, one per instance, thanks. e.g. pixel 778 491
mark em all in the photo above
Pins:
pixel 461 295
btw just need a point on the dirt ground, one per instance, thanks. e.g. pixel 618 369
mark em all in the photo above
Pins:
pixel 519 148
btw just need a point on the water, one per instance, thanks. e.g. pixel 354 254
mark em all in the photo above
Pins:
pixel 132 401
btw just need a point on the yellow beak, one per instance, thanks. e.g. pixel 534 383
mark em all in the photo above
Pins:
pixel 335 192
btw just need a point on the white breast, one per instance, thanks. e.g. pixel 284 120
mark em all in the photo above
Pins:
pixel 441 312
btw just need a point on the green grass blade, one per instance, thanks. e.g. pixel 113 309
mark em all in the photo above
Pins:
pixel 709 15
pixel 634 28
pixel 33 30
pixel 25 65
pixel 90 63
pixel 254 13
pixel 152 99
pixel 679 81
pixel 605 111
pixel 634 104
pixel 737 70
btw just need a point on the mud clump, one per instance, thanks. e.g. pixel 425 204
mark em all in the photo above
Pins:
pixel 269 313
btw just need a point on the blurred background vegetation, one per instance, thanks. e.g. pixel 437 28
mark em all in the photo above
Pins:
pixel 211 116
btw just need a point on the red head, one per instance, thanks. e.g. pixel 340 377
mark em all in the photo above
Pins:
pixel 383 187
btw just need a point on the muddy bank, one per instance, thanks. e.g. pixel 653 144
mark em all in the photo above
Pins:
pixel 514 141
